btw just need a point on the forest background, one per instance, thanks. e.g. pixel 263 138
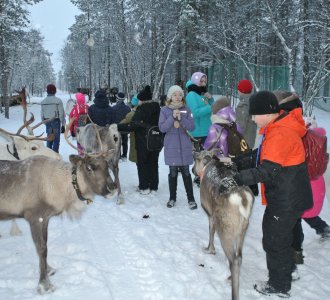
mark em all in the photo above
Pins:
pixel 277 44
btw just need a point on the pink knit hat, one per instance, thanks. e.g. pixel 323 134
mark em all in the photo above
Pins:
pixel 196 78
pixel 80 98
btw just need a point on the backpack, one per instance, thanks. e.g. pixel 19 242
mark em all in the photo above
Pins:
pixel 154 139
pixel 235 140
pixel 316 153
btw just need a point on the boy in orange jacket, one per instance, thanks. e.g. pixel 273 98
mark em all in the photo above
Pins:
pixel 285 186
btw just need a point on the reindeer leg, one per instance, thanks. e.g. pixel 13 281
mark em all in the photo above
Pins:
pixel 14 231
pixel 39 231
pixel 120 196
pixel 210 248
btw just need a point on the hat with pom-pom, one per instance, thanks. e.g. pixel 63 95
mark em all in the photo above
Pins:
pixel 145 94
pixel 196 77
pixel 245 86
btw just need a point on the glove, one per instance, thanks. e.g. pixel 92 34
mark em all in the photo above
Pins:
pixel 62 129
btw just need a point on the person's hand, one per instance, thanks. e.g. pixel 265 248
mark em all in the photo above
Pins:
pixel 62 129
pixel 207 95
pixel 176 114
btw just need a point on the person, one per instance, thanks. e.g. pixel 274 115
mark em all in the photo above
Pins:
pixel 52 107
pixel 249 128
pixel 132 156
pixel 101 113
pixel 199 102
pixel 174 120
pixel 285 187
pixel 120 110
pixel 146 115
pixel 112 94
pixel 80 108
pixel 289 101
pixel 216 138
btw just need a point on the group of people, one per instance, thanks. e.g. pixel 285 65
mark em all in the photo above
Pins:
pixel 278 162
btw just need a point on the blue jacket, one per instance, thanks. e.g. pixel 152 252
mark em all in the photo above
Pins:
pixel 177 144
pixel 101 112
pixel 201 113
pixel 120 111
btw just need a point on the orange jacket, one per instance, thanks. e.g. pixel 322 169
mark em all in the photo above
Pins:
pixel 282 143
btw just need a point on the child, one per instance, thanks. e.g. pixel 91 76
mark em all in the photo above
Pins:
pixel 174 120
pixel 80 108
pixel 222 113
pixel 286 189
pixel 289 101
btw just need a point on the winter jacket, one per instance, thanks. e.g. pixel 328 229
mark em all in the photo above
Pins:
pixel 120 111
pixel 318 189
pixel 282 169
pixel 101 113
pixel 52 107
pixel 132 151
pixel 177 144
pixel 80 108
pixel 249 128
pixel 217 135
pixel 201 111
pixel 146 115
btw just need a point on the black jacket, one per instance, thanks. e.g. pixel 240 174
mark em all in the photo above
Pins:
pixel 101 112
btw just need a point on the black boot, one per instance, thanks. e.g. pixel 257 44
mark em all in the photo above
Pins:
pixel 172 183
pixel 189 190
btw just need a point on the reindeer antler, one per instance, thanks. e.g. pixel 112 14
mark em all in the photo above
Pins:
pixel 26 123
pixel 51 137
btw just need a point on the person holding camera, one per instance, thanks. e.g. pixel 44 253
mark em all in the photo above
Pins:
pixel 174 120
pixel 52 107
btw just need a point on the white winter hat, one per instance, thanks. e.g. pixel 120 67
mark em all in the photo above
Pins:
pixel 173 89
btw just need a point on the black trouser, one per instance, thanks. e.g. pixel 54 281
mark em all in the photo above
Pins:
pixel 187 181
pixel 298 236
pixel 147 165
pixel 277 240
pixel 124 143
pixel 317 224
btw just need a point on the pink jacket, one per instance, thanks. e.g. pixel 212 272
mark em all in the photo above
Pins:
pixel 80 108
pixel 318 189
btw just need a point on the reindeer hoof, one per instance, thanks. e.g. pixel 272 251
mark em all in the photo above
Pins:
pixel 209 250
pixel 45 287
pixel 120 200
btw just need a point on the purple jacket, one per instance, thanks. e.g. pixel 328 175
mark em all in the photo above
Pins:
pixel 177 144
pixel 217 135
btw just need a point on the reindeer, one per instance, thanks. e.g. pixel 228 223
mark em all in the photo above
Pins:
pixel 110 139
pixel 19 146
pixel 227 206
pixel 47 188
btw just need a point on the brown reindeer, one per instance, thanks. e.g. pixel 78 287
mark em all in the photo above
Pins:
pixel 228 208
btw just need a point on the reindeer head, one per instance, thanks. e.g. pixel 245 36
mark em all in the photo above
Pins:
pixel 203 158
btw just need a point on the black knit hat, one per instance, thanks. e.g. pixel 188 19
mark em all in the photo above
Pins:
pixel 145 94
pixel 263 103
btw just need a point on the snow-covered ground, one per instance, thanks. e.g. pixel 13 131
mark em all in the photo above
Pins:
pixel 144 250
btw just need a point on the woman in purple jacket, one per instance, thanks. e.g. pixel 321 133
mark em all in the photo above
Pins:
pixel 174 120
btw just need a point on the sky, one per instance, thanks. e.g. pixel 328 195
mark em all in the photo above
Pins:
pixel 142 250
pixel 53 18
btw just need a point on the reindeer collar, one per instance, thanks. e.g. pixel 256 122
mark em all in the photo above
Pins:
pixel 76 186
